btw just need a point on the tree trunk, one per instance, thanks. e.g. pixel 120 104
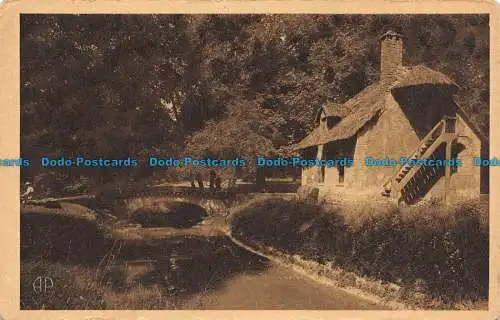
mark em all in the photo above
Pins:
pixel 199 179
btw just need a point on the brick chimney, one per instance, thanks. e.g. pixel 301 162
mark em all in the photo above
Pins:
pixel 391 55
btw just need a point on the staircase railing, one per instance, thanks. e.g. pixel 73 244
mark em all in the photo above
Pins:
pixel 434 133
pixel 414 169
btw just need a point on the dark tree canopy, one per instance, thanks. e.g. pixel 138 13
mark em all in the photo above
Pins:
pixel 133 85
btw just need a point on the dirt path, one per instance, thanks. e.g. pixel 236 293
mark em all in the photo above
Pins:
pixel 278 287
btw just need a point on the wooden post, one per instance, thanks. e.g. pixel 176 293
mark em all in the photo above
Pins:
pixel 447 172
pixel 318 170
pixel 320 152
pixel 396 193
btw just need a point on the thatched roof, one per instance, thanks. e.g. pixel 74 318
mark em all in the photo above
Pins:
pixel 421 75
pixel 363 107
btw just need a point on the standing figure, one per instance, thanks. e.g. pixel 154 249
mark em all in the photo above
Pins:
pixel 218 182
pixel 212 180
pixel 199 180
pixel 28 194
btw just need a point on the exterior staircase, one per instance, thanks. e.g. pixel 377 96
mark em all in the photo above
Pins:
pixel 411 182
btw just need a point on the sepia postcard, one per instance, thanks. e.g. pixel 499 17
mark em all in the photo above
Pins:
pixel 233 160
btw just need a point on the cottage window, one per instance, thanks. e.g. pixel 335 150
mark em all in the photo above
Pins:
pixel 456 148
pixel 332 121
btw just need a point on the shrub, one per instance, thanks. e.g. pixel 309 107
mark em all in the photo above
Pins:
pixel 289 224
pixel 443 249
pixel 57 235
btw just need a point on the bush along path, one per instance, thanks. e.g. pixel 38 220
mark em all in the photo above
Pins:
pixel 333 277
pixel 427 257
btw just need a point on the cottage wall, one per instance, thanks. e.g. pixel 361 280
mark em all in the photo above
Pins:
pixel 468 177
pixel 466 181
pixel 309 176
pixel 312 175
pixel 332 176
pixel 391 136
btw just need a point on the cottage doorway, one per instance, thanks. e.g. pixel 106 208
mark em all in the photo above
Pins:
pixel 341 174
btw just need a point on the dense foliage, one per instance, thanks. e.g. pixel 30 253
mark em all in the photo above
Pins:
pixel 132 85
pixel 442 251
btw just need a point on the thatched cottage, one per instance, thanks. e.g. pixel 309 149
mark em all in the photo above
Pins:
pixel 409 112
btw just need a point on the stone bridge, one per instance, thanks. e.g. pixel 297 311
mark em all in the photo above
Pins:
pixel 214 202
